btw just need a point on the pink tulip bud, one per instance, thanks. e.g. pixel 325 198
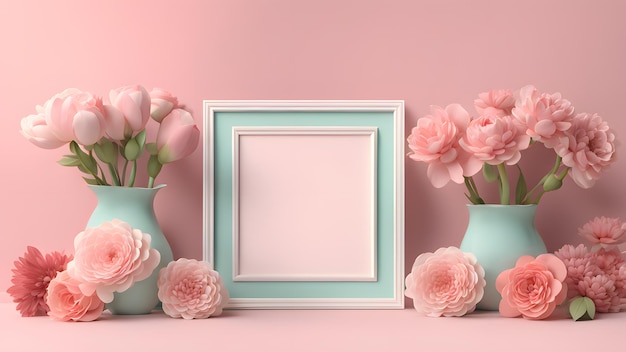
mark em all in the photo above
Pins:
pixel 134 104
pixel 177 137
pixel 161 103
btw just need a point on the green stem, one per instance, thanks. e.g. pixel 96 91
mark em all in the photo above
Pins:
pixel 151 182
pixel 504 185
pixel 123 180
pixel 133 173
pixel 114 175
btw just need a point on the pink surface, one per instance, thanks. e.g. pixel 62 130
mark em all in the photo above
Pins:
pixel 320 188
pixel 425 52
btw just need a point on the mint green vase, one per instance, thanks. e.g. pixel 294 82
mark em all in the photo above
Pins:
pixel 135 206
pixel 498 235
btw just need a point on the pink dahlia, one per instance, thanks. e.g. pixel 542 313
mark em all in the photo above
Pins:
pixel 498 102
pixel 111 258
pixel 588 148
pixel 533 288
pixel 435 140
pixel 495 140
pixel 602 291
pixel 547 116
pixel 190 289
pixel 578 261
pixel 67 303
pixel 31 277
pixel 604 231
pixel 448 282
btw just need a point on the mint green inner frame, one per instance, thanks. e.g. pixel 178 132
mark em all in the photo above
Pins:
pixel 223 123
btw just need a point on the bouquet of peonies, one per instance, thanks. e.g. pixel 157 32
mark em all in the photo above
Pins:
pixel 112 135
pixel 457 146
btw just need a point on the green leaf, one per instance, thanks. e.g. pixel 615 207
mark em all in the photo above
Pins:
pixel 91 181
pixel 141 138
pixel 521 187
pixel 154 166
pixel 132 151
pixel 489 173
pixel 87 161
pixel 582 308
pixel 106 151
pixel 69 160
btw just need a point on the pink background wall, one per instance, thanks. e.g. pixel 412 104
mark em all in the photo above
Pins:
pixel 424 52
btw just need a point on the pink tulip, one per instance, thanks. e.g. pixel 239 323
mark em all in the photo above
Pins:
pixel 177 137
pixel 37 131
pixel 74 115
pixel 161 103
pixel 133 104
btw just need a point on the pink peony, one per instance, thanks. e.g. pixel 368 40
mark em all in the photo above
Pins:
pixel 131 113
pixel 604 231
pixel 190 289
pixel 435 140
pixel 447 282
pixel 73 115
pixel 111 258
pixel 67 302
pixel 178 136
pixel 495 140
pixel 37 131
pixel 533 288
pixel 588 148
pixel 31 277
pixel 547 116
pixel 497 102
pixel 161 104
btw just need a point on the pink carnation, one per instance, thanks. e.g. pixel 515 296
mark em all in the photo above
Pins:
pixel 495 140
pixel 190 289
pixel 435 140
pixel 588 148
pixel 577 261
pixel 602 291
pixel 67 302
pixel 497 102
pixel 547 116
pixel 447 282
pixel 111 258
pixel 533 288
pixel 604 231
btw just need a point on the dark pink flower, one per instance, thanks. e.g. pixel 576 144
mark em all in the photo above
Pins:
pixel 31 277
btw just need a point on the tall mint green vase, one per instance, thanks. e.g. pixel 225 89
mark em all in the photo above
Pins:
pixel 135 206
pixel 498 235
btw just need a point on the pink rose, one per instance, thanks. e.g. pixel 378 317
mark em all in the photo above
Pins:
pixel 111 258
pixel 129 112
pixel 73 115
pixel 37 131
pixel 588 148
pixel 190 289
pixel 533 288
pixel 546 116
pixel 447 282
pixel 435 140
pixel 67 302
pixel 177 137
pixel 495 140
pixel 162 103
pixel 498 102
pixel 604 231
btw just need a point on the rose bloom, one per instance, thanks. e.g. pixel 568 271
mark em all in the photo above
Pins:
pixel 604 231
pixel 546 116
pixel 497 102
pixel 190 289
pixel 67 302
pixel 111 258
pixel 495 140
pixel 31 277
pixel 448 282
pixel 435 140
pixel 162 103
pixel 36 130
pixel 588 148
pixel 533 288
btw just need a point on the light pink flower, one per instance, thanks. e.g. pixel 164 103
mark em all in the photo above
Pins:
pixel 447 282
pixel 604 231
pixel 533 288
pixel 67 302
pixel 190 289
pixel 74 115
pixel 129 112
pixel 177 137
pixel 111 258
pixel 31 277
pixel 497 102
pixel 37 131
pixel 495 140
pixel 546 116
pixel 588 147
pixel 578 261
pixel 162 103
pixel 435 140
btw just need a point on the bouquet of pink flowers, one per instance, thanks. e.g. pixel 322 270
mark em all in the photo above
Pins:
pixel 457 146
pixel 111 135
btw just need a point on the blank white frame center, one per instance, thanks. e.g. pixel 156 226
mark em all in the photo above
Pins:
pixel 304 203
